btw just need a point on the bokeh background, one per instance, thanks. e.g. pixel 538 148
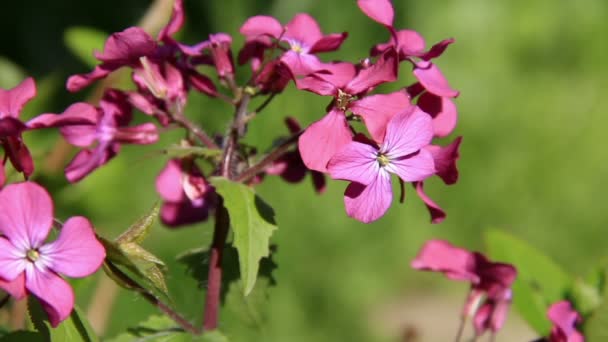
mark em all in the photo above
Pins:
pixel 533 82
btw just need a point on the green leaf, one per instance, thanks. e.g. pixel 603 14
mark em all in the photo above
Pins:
pixel 10 73
pixel 82 41
pixel 138 231
pixel 540 281
pixel 162 328
pixel 252 221
pixel 178 151
pixel 596 327
pixel 75 328
pixel 23 336
pixel 585 297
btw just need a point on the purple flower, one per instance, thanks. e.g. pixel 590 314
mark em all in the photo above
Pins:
pixel 28 264
pixel 187 196
pixel 490 295
pixel 369 167
pixel 302 34
pixel 103 137
pixel 564 319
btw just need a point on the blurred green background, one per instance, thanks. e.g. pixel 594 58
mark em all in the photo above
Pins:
pixel 532 76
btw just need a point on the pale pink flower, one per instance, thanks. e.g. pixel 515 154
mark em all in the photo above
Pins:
pixel 369 167
pixel 30 265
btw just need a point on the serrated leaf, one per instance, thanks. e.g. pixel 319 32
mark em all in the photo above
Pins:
pixel 75 328
pixel 138 231
pixel 252 221
pixel 540 281
pixel 82 41
pixel 178 151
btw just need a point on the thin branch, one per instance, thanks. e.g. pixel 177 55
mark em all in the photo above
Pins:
pixel 150 297
pixel 265 103
pixel 268 159
pixel 197 131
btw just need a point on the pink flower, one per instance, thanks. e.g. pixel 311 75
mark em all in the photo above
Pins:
pixel 11 104
pixel 187 196
pixel 302 34
pixel 28 264
pixel 106 132
pixel 490 297
pixel 564 319
pixel 369 167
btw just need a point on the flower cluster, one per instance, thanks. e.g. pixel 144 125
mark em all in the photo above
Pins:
pixel 490 296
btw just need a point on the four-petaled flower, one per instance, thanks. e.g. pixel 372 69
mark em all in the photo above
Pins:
pixel 369 167
pixel 29 264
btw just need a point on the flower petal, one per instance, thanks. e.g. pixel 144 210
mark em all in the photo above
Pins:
pixel 323 139
pixel 564 319
pixel 355 162
pixel 78 82
pixel 12 260
pixel 261 25
pixel 175 214
pixel 15 288
pixel 175 23
pixel 437 214
pixel 330 42
pixel 414 168
pixel 27 214
pixel 443 111
pixel 304 29
pixel 368 203
pixel 384 70
pixel 10 126
pixel 79 113
pixel 301 63
pixel 2 175
pixel 76 252
pixel 168 182
pixel 440 256
pixel 13 100
pixel 433 80
pixel 378 110
pixel 86 161
pixel 55 294
pixel 378 10
pixel 407 132
pixel 19 154
pixel 445 160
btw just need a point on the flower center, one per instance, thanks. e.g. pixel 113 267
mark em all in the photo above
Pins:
pixel 382 159
pixel 32 255
pixel 343 100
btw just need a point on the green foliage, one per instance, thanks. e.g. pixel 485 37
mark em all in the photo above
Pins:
pixel 585 297
pixel 82 41
pixel 162 328
pixel 23 336
pixel 10 73
pixel 540 281
pixel 75 328
pixel 178 151
pixel 127 252
pixel 596 327
pixel 252 221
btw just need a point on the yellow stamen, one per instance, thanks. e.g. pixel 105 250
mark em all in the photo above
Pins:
pixel 32 255
pixel 382 159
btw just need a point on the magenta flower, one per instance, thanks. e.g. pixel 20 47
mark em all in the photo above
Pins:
pixel 187 196
pixel 302 34
pixel 103 137
pixel 28 264
pixel 325 137
pixel 564 319
pixel 11 104
pixel 369 167
pixel 490 296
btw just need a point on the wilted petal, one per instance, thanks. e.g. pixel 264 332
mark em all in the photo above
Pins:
pixel 27 214
pixel 330 42
pixel 78 82
pixel 76 252
pixel 413 168
pixel 323 139
pixel 318 181
pixel 304 29
pixel 86 161
pixel 380 11
pixel 437 214
pixel 12 260
pixel 443 111
pixel 437 49
pixel 445 160
pixel 368 203
pixel 261 25
pixel 15 288
pixel 10 126
pixel 355 162
pixel 174 214
pixel 384 70
pixel 433 80
pixel 125 48
pixel 378 110
pixel 407 132
pixel 79 113
pixel 202 83
pixel 140 134
pixel 55 294
pixel 175 23
pixel 13 100
pixel 441 256
pixel 18 154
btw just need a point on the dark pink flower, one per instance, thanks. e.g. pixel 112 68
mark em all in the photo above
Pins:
pixel 369 167
pixel 325 137
pixel 491 282
pixel 11 104
pixel 29 264
pixel 302 34
pixel 187 196
pixel 565 320
pixel 103 137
